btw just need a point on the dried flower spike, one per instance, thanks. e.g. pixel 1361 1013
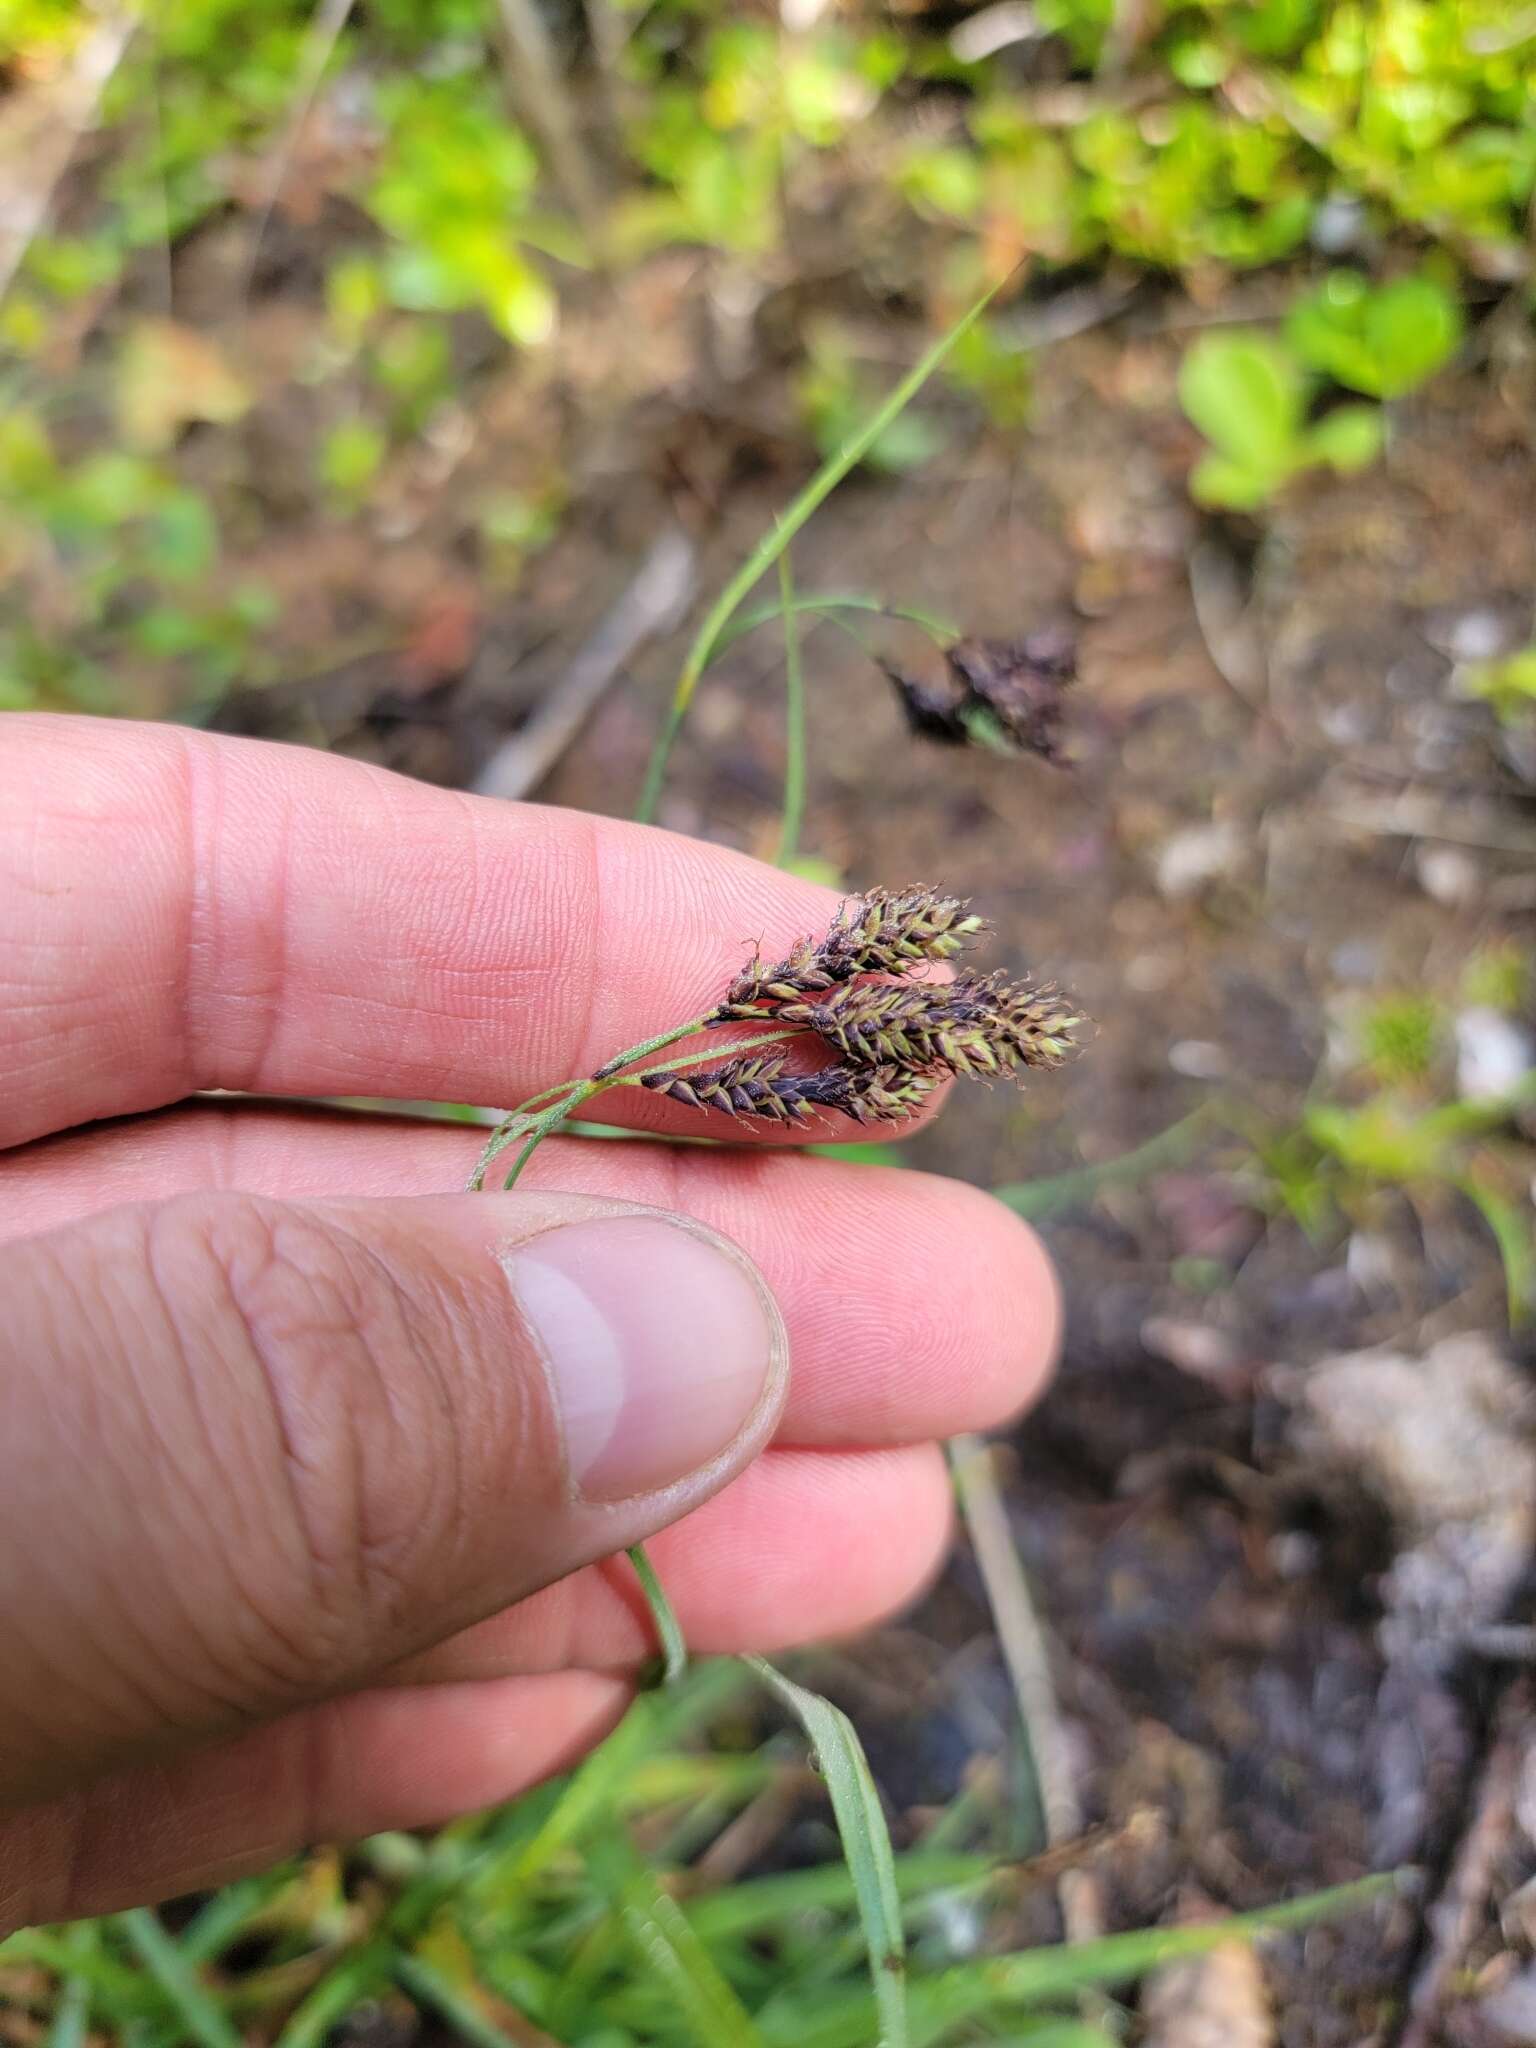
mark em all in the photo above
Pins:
pixel 969 1026
pixel 760 1087
pixel 887 932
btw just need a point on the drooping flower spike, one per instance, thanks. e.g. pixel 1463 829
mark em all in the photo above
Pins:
pixel 895 1038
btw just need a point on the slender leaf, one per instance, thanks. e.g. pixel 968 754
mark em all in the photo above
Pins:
pixel 597 1785
pixel 1510 1223
pixel 937 629
pixel 162 1956
pixel 757 1902
pixel 672 1954
pixel 71 2015
pixel 430 1987
pixel 355 1978
pixel 778 538
pixel 866 1843
pixel 123 1992
pixel 792 812
pixel 1000 1983
pixel 674 1650
pixel 1058 1191
pixel 225 1917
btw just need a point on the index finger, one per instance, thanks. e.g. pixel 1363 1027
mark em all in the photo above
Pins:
pixel 180 911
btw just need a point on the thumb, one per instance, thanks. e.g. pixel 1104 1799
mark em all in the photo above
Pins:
pixel 259 1450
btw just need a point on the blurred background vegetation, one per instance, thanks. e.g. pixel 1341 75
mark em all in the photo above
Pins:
pixel 297 244
pixel 352 352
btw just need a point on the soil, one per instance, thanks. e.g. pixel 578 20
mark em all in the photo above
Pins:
pixel 1275 804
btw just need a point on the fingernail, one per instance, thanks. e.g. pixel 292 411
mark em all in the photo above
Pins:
pixel 660 1342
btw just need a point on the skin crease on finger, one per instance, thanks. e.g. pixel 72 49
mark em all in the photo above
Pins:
pixel 908 1356
pixel 271 920
pixel 455 1730
pixel 180 911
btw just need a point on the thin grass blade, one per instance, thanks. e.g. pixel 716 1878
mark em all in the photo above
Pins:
pixel 162 1956
pixel 999 1984
pixel 355 1978
pixel 1512 1234
pixel 778 538
pixel 674 1650
pixel 596 1787
pixel 431 1988
pixel 792 810
pixel 866 1843
pixel 672 1954
pixel 1055 1192
pixel 939 630
pixel 758 1902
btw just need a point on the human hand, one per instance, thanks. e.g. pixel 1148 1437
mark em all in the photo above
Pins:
pixel 311 1471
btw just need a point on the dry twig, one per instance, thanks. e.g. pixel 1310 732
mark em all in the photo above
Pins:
pixel 42 132
pixel 653 603
pixel 1452 1920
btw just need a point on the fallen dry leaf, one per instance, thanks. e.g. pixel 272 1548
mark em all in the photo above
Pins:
pixel 1211 2001
pixel 169 375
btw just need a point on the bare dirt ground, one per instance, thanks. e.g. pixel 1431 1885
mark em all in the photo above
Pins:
pixel 1268 817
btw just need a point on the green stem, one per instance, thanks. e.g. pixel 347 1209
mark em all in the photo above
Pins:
pixel 638 1052
pixel 674 1650
pixel 548 1122
pixel 938 630
pixel 793 812
pixel 773 543
pixel 506 1132
pixel 710 1052
pixel 529 1120
pixel 551 1119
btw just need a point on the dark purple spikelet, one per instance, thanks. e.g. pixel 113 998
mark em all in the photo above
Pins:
pixel 896 1039
pixel 969 1026
pixel 761 1088
pixel 889 931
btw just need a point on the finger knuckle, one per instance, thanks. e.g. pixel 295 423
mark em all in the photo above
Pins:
pixel 338 1401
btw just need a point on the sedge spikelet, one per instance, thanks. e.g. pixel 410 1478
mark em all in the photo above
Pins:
pixel 761 1088
pixel 889 931
pixel 970 1026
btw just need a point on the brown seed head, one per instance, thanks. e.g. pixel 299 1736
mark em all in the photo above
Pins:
pixel 969 1026
pixel 760 1088
pixel 889 931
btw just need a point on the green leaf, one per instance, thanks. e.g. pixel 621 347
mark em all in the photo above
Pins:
pixel 1215 480
pixel 783 531
pixel 1075 1189
pixel 178 1978
pixel 183 538
pixel 860 1152
pixel 1243 391
pixel 1001 1983
pixel 670 1950
pixel 430 1987
pixel 351 456
pixel 1347 439
pixel 756 1903
pixel 1381 340
pixel 521 303
pixel 674 1650
pixel 866 1843
pixel 1510 1223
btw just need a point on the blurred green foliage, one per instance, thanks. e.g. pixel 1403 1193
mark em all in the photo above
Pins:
pixel 1251 394
pixel 1246 392
pixel 1382 340
pixel 1508 686
pixel 1394 1127
pixel 1211 137
pixel 580 1915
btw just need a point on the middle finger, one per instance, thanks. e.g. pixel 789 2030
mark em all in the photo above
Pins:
pixel 886 1347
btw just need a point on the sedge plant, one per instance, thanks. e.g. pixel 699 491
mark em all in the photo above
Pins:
pixel 539 1920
